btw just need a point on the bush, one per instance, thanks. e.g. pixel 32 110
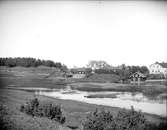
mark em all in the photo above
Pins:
pixel 130 120
pixel 5 122
pixel 124 120
pixel 98 120
pixel 35 108
pixel 31 107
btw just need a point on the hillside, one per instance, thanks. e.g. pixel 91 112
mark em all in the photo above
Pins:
pixel 31 77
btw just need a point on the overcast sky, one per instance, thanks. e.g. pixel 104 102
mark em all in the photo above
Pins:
pixel 134 33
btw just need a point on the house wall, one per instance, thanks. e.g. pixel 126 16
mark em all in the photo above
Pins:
pixel 157 69
pixel 78 76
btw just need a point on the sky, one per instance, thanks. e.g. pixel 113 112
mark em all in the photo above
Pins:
pixel 75 32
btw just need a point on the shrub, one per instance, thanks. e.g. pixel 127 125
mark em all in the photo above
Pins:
pixel 31 107
pixel 5 122
pixel 98 120
pixel 51 111
pixel 130 120
pixel 35 108
pixel 125 120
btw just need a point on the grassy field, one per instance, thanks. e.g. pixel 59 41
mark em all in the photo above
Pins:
pixel 14 119
pixel 75 112
pixel 40 77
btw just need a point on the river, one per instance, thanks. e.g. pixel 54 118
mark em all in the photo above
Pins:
pixel 120 99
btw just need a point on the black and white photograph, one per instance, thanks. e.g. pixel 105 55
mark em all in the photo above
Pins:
pixel 83 64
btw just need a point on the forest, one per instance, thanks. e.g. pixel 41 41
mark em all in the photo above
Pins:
pixel 29 62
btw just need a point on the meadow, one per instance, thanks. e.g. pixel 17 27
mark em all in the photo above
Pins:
pixel 74 111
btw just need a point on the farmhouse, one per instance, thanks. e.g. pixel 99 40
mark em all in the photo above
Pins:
pixel 98 65
pixel 158 68
pixel 80 72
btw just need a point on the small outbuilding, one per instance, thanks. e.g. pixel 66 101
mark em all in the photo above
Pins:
pixel 80 72
pixel 68 75
pixel 137 77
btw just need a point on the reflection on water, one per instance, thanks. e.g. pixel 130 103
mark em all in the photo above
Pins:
pixel 122 99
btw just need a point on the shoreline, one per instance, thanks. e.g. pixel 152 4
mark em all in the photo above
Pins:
pixel 33 90
pixel 112 108
pixel 105 106
pixel 74 111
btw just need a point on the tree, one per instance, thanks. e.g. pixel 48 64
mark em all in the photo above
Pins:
pixel 144 69
pixel 64 68
pixel 28 62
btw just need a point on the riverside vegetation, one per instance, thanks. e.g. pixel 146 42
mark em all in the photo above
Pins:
pixel 96 120
pixel 49 110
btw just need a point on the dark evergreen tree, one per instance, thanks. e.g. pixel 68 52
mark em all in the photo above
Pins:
pixel 29 62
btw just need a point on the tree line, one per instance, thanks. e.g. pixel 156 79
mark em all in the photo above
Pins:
pixel 124 71
pixel 29 62
pixel 102 67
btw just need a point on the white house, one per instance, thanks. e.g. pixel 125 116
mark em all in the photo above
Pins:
pixel 98 65
pixel 158 68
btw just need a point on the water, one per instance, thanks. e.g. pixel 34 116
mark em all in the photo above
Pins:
pixel 122 100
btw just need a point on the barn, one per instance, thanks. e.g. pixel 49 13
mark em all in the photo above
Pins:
pixel 137 77
pixel 80 72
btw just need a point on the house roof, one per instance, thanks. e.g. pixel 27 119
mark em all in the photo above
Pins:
pixel 137 74
pixel 163 64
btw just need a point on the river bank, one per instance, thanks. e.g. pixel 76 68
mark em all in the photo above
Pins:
pixel 150 90
pixel 75 111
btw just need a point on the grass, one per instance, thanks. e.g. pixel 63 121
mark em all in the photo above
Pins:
pixel 30 77
pixel 100 78
pixel 74 111
pixel 147 90
pixel 20 77
pixel 13 119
